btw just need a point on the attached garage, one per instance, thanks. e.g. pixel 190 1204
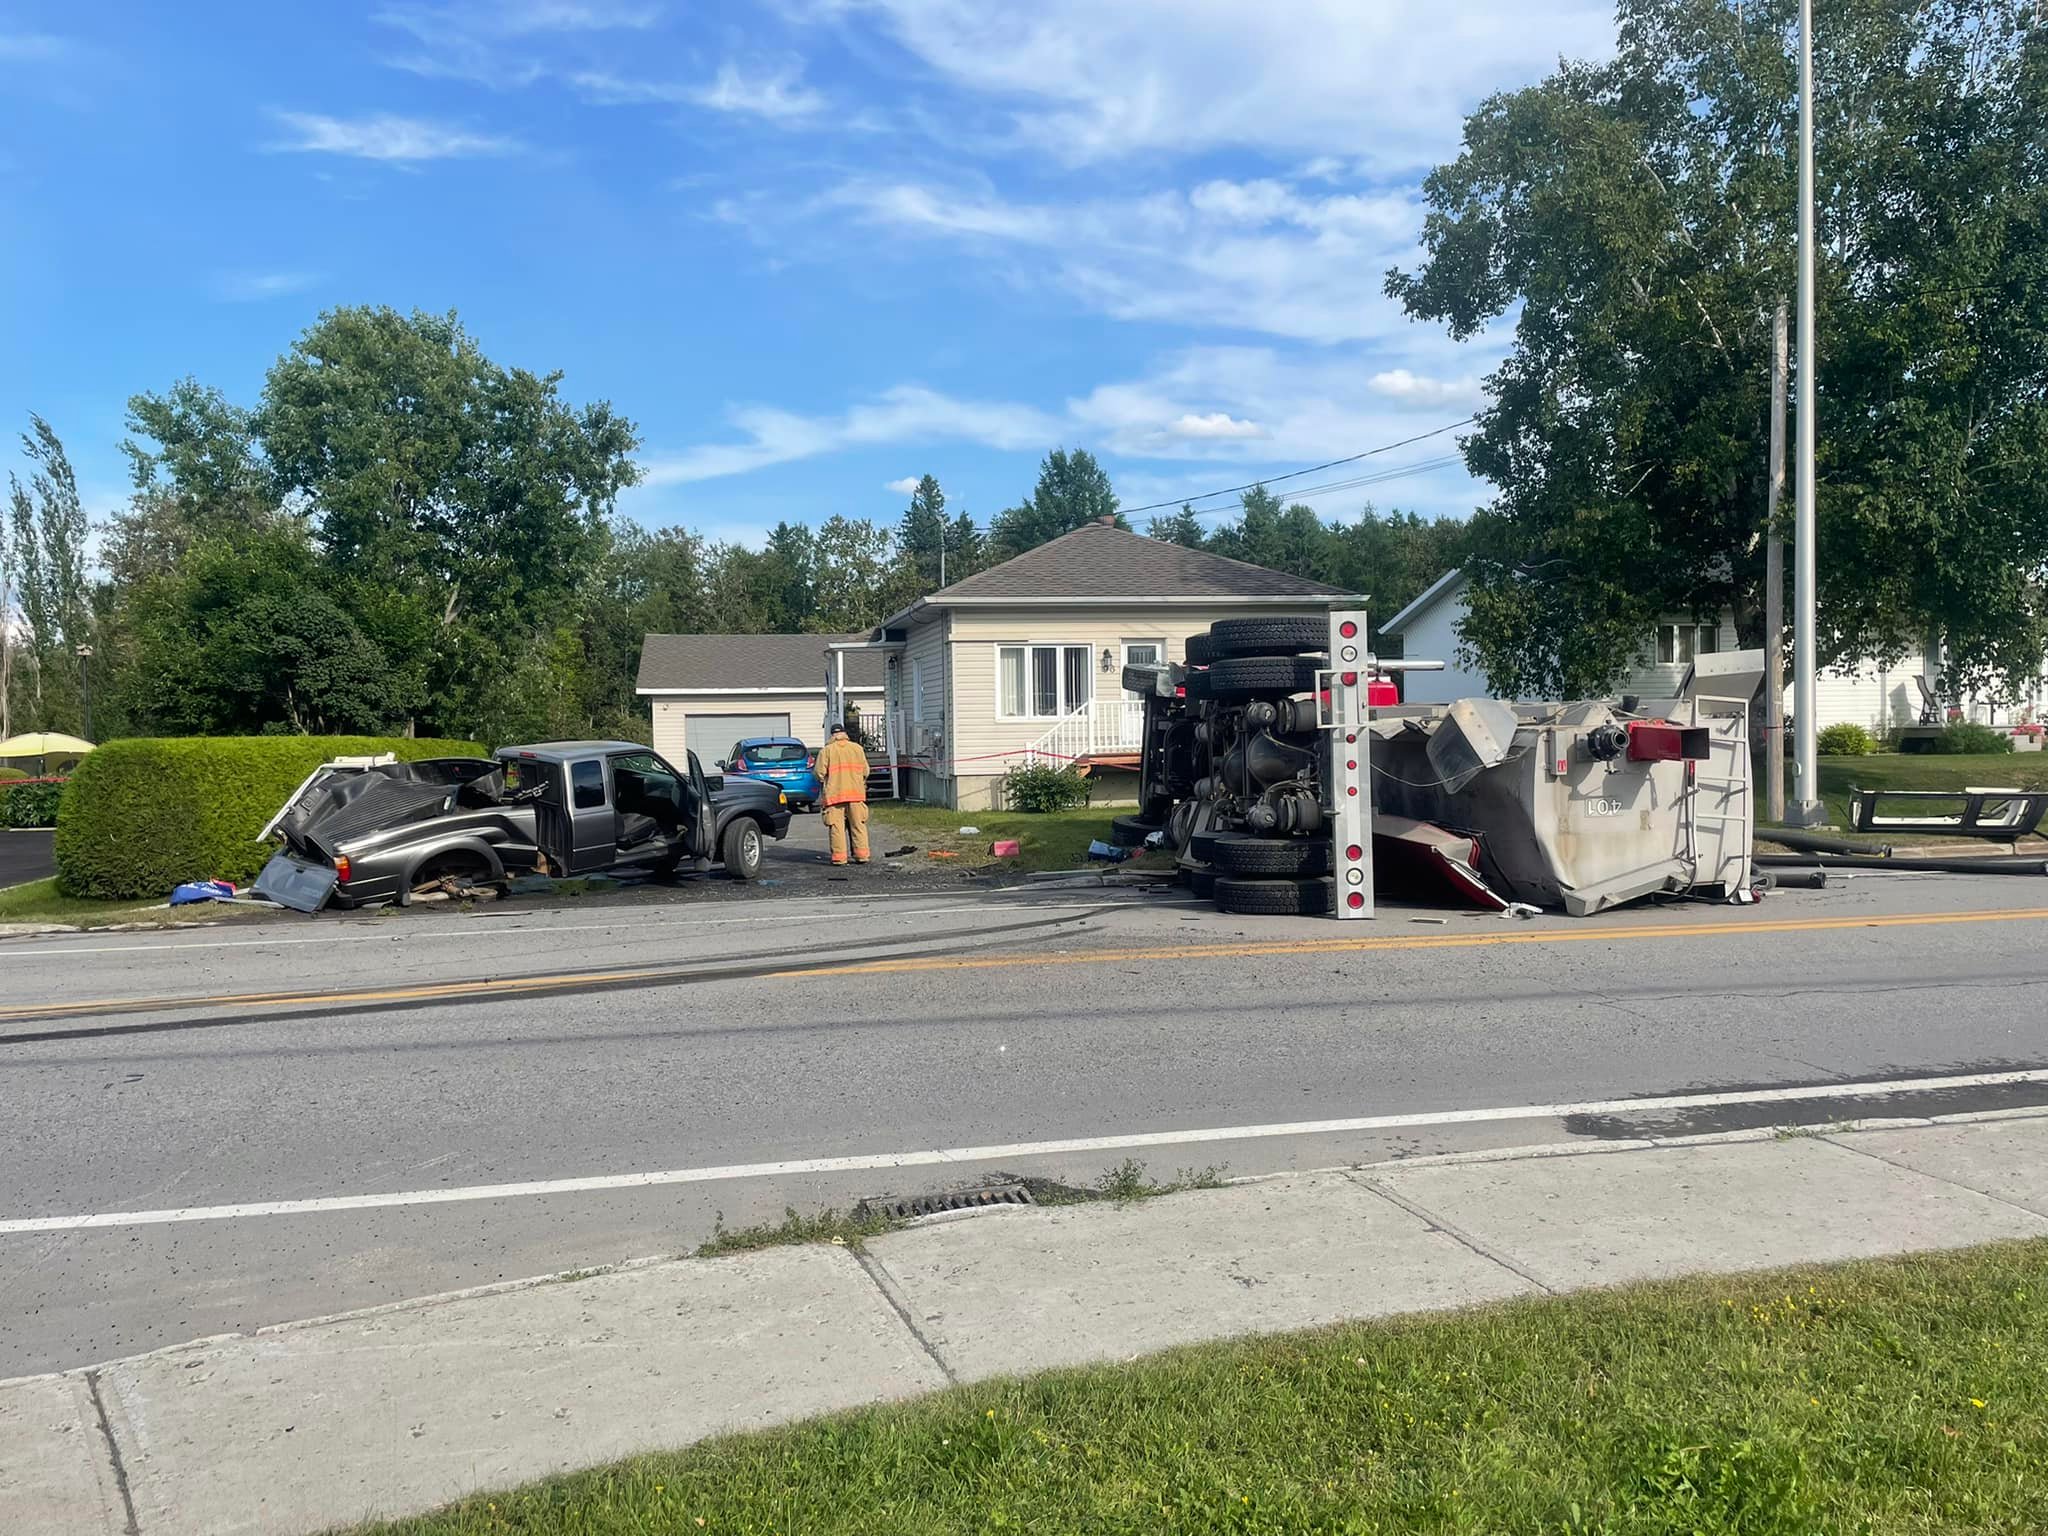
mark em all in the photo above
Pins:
pixel 705 692
pixel 713 734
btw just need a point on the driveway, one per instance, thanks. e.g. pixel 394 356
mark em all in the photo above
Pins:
pixel 26 856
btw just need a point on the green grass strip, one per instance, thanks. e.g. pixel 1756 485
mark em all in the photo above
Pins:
pixel 1897 1396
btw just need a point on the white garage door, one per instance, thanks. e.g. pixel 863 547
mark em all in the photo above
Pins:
pixel 711 736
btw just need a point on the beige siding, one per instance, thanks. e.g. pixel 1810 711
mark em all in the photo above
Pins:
pixel 923 656
pixel 806 711
pixel 980 739
pixel 668 729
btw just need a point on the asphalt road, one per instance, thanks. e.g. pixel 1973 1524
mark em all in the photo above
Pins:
pixel 273 1122
pixel 26 855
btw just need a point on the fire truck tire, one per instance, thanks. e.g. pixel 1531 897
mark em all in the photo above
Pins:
pixel 1202 846
pixel 1278 897
pixel 1201 650
pixel 1272 856
pixel 1250 677
pixel 1139 677
pixel 1131 831
pixel 1268 637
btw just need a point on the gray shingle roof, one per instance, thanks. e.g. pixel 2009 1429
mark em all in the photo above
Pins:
pixel 749 661
pixel 1103 561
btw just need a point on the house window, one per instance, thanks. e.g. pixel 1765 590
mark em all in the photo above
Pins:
pixel 1041 682
pixel 917 693
pixel 1677 644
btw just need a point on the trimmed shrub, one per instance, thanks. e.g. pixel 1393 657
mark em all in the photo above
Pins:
pixel 30 802
pixel 1038 788
pixel 142 816
pixel 7 773
pixel 1966 738
pixel 1845 740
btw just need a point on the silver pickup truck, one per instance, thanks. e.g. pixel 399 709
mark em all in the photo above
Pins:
pixel 357 834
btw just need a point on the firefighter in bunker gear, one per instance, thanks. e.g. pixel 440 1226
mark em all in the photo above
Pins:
pixel 843 769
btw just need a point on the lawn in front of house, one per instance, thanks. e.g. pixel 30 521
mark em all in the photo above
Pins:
pixel 1840 776
pixel 1051 840
pixel 39 901
pixel 1906 1395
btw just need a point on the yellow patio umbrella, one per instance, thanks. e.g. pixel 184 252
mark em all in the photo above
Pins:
pixel 41 745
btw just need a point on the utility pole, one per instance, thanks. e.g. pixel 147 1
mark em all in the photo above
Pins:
pixel 1806 809
pixel 1774 580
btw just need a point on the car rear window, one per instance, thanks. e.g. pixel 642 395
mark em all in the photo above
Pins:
pixel 776 752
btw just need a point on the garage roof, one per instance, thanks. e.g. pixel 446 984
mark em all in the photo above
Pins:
pixel 771 663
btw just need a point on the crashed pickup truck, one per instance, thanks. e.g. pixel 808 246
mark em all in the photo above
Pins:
pixel 361 832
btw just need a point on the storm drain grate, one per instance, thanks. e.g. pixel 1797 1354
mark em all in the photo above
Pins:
pixel 903 1207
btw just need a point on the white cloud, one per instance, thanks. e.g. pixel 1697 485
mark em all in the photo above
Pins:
pixel 254 287
pixel 1252 409
pixel 907 413
pixel 777 95
pixel 1215 425
pixel 387 137
pixel 1385 80
pixel 1415 389
pixel 504 44
pixel 1259 255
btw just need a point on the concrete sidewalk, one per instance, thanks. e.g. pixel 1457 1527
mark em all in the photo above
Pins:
pixel 395 1410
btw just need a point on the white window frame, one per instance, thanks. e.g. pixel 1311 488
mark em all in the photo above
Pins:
pixel 1066 706
pixel 1159 655
pixel 1670 631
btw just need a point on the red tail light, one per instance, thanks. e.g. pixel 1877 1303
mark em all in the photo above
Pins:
pixel 341 869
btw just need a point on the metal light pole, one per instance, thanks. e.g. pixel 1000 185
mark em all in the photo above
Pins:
pixel 1806 809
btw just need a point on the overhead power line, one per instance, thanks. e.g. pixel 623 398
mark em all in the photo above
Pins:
pixel 1306 492
pixel 1296 474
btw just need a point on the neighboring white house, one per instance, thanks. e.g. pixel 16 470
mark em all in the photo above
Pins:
pixel 1874 695
pixel 1024 661
pixel 709 691
pixel 1428 630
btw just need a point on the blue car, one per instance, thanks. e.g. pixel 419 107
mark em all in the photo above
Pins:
pixel 782 761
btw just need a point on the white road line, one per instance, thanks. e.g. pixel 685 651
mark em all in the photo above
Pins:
pixel 484 930
pixel 600 1183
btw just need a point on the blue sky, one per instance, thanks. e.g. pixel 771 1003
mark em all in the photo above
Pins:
pixel 811 246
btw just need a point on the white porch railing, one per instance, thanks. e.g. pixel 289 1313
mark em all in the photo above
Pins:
pixel 1102 725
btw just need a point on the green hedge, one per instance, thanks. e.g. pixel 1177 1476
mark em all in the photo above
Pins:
pixel 142 816
pixel 30 802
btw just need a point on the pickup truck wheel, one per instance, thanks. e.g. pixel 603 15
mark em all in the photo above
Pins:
pixel 463 868
pixel 741 849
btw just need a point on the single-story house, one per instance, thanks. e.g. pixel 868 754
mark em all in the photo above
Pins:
pixel 1875 695
pixel 709 691
pixel 1024 662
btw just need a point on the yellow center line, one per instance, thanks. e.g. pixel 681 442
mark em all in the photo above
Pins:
pixel 1588 935
pixel 515 985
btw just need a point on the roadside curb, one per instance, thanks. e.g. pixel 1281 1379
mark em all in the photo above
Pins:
pixel 399 1407
pixel 1533 1152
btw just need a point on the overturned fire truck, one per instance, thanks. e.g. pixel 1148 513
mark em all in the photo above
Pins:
pixel 1282 773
